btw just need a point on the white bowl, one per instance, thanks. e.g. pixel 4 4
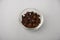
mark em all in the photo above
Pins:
pixel 29 10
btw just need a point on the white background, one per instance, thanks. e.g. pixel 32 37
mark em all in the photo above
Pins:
pixel 10 29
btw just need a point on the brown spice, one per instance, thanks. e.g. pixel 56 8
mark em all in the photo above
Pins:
pixel 31 19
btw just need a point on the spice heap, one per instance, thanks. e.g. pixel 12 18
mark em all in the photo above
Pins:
pixel 30 19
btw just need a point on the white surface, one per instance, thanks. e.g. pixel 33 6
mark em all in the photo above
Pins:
pixel 10 29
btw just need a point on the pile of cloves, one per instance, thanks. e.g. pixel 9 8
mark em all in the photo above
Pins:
pixel 30 19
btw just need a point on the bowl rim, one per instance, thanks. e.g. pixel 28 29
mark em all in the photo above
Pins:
pixel 33 9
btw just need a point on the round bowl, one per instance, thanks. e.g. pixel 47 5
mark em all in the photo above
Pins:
pixel 29 10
